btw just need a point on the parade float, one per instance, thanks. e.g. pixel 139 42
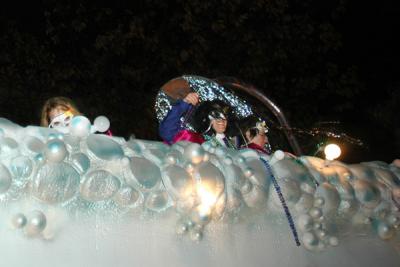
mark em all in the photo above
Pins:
pixel 81 198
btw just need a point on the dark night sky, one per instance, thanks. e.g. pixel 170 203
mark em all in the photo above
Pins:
pixel 369 32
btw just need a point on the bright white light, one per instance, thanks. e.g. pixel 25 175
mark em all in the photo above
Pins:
pixel 208 199
pixel 332 151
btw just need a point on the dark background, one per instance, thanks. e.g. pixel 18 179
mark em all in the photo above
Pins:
pixel 320 61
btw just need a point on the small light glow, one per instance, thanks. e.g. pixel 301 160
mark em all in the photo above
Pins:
pixel 332 151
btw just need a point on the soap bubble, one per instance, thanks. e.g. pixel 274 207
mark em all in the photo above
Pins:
pixel 178 181
pixel 103 147
pixel 81 162
pixel 101 124
pixel 146 173
pixel 305 222
pixel 5 179
pixel 194 153
pixel 79 126
pixel 127 195
pixel 18 220
pixel 99 185
pixel 21 167
pixel 157 201
pixel 385 231
pixel 55 150
pixel 367 193
pixel 36 223
pixel 33 145
pixel 55 183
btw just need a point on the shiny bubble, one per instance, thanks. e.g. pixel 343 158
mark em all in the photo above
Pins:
pixel 319 202
pixel 81 162
pixel 181 228
pixel 333 241
pixel 315 213
pixel 104 147
pixel 210 178
pixel 33 144
pixel 21 166
pixel 101 124
pixel 310 241
pixel 194 153
pixel 18 220
pixel 55 151
pixel 146 173
pixel 256 198
pixel 55 183
pixel 367 193
pixel 99 185
pixel 321 234
pixel 329 193
pixel 385 231
pixel 305 222
pixel 178 181
pixel 305 203
pixel 79 126
pixel 36 223
pixel 157 201
pixel 127 195
pixel 5 179
pixel 196 235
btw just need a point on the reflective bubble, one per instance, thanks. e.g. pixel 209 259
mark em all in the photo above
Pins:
pixel 196 235
pixel 333 241
pixel 194 153
pixel 331 197
pixel 181 228
pixel 315 212
pixel 99 185
pixel 256 198
pixel 310 241
pixel 21 167
pixel 80 162
pixel 210 178
pixel 18 220
pixel 305 203
pixel 5 179
pixel 8 146
pixel 33 144
pixel 36 223
pixel 103 147
pixel 55 183
pixel 385 231
pixel 146 173
pixel 367 193
pixel 127 196
pixel 101 124
pixel 55 151
pixel 79 126
pixel 157 201
pixel 178 181
pixel 305 222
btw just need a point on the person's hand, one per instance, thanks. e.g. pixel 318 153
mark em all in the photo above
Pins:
pixel 192 98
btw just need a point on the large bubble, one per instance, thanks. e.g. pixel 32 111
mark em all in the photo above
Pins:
pixel 5 179
pixel 146 173
pixel 178 181
pixel 99 185
pixel 157 201
pixel 55 183
pixel 21 166
pixel 55 150
pixel 103 147
pixel 79 126
pixel 81 162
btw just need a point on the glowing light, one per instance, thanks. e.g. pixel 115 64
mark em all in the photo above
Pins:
pixel 207 199
pixel 332 151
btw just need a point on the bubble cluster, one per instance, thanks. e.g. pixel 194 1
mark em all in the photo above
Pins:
pixel 83 172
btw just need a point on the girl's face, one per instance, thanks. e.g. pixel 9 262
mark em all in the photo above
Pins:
pixel 219 125
pixel 59 116
pixel 260 139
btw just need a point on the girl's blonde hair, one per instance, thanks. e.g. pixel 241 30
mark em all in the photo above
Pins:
pixel 63 102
